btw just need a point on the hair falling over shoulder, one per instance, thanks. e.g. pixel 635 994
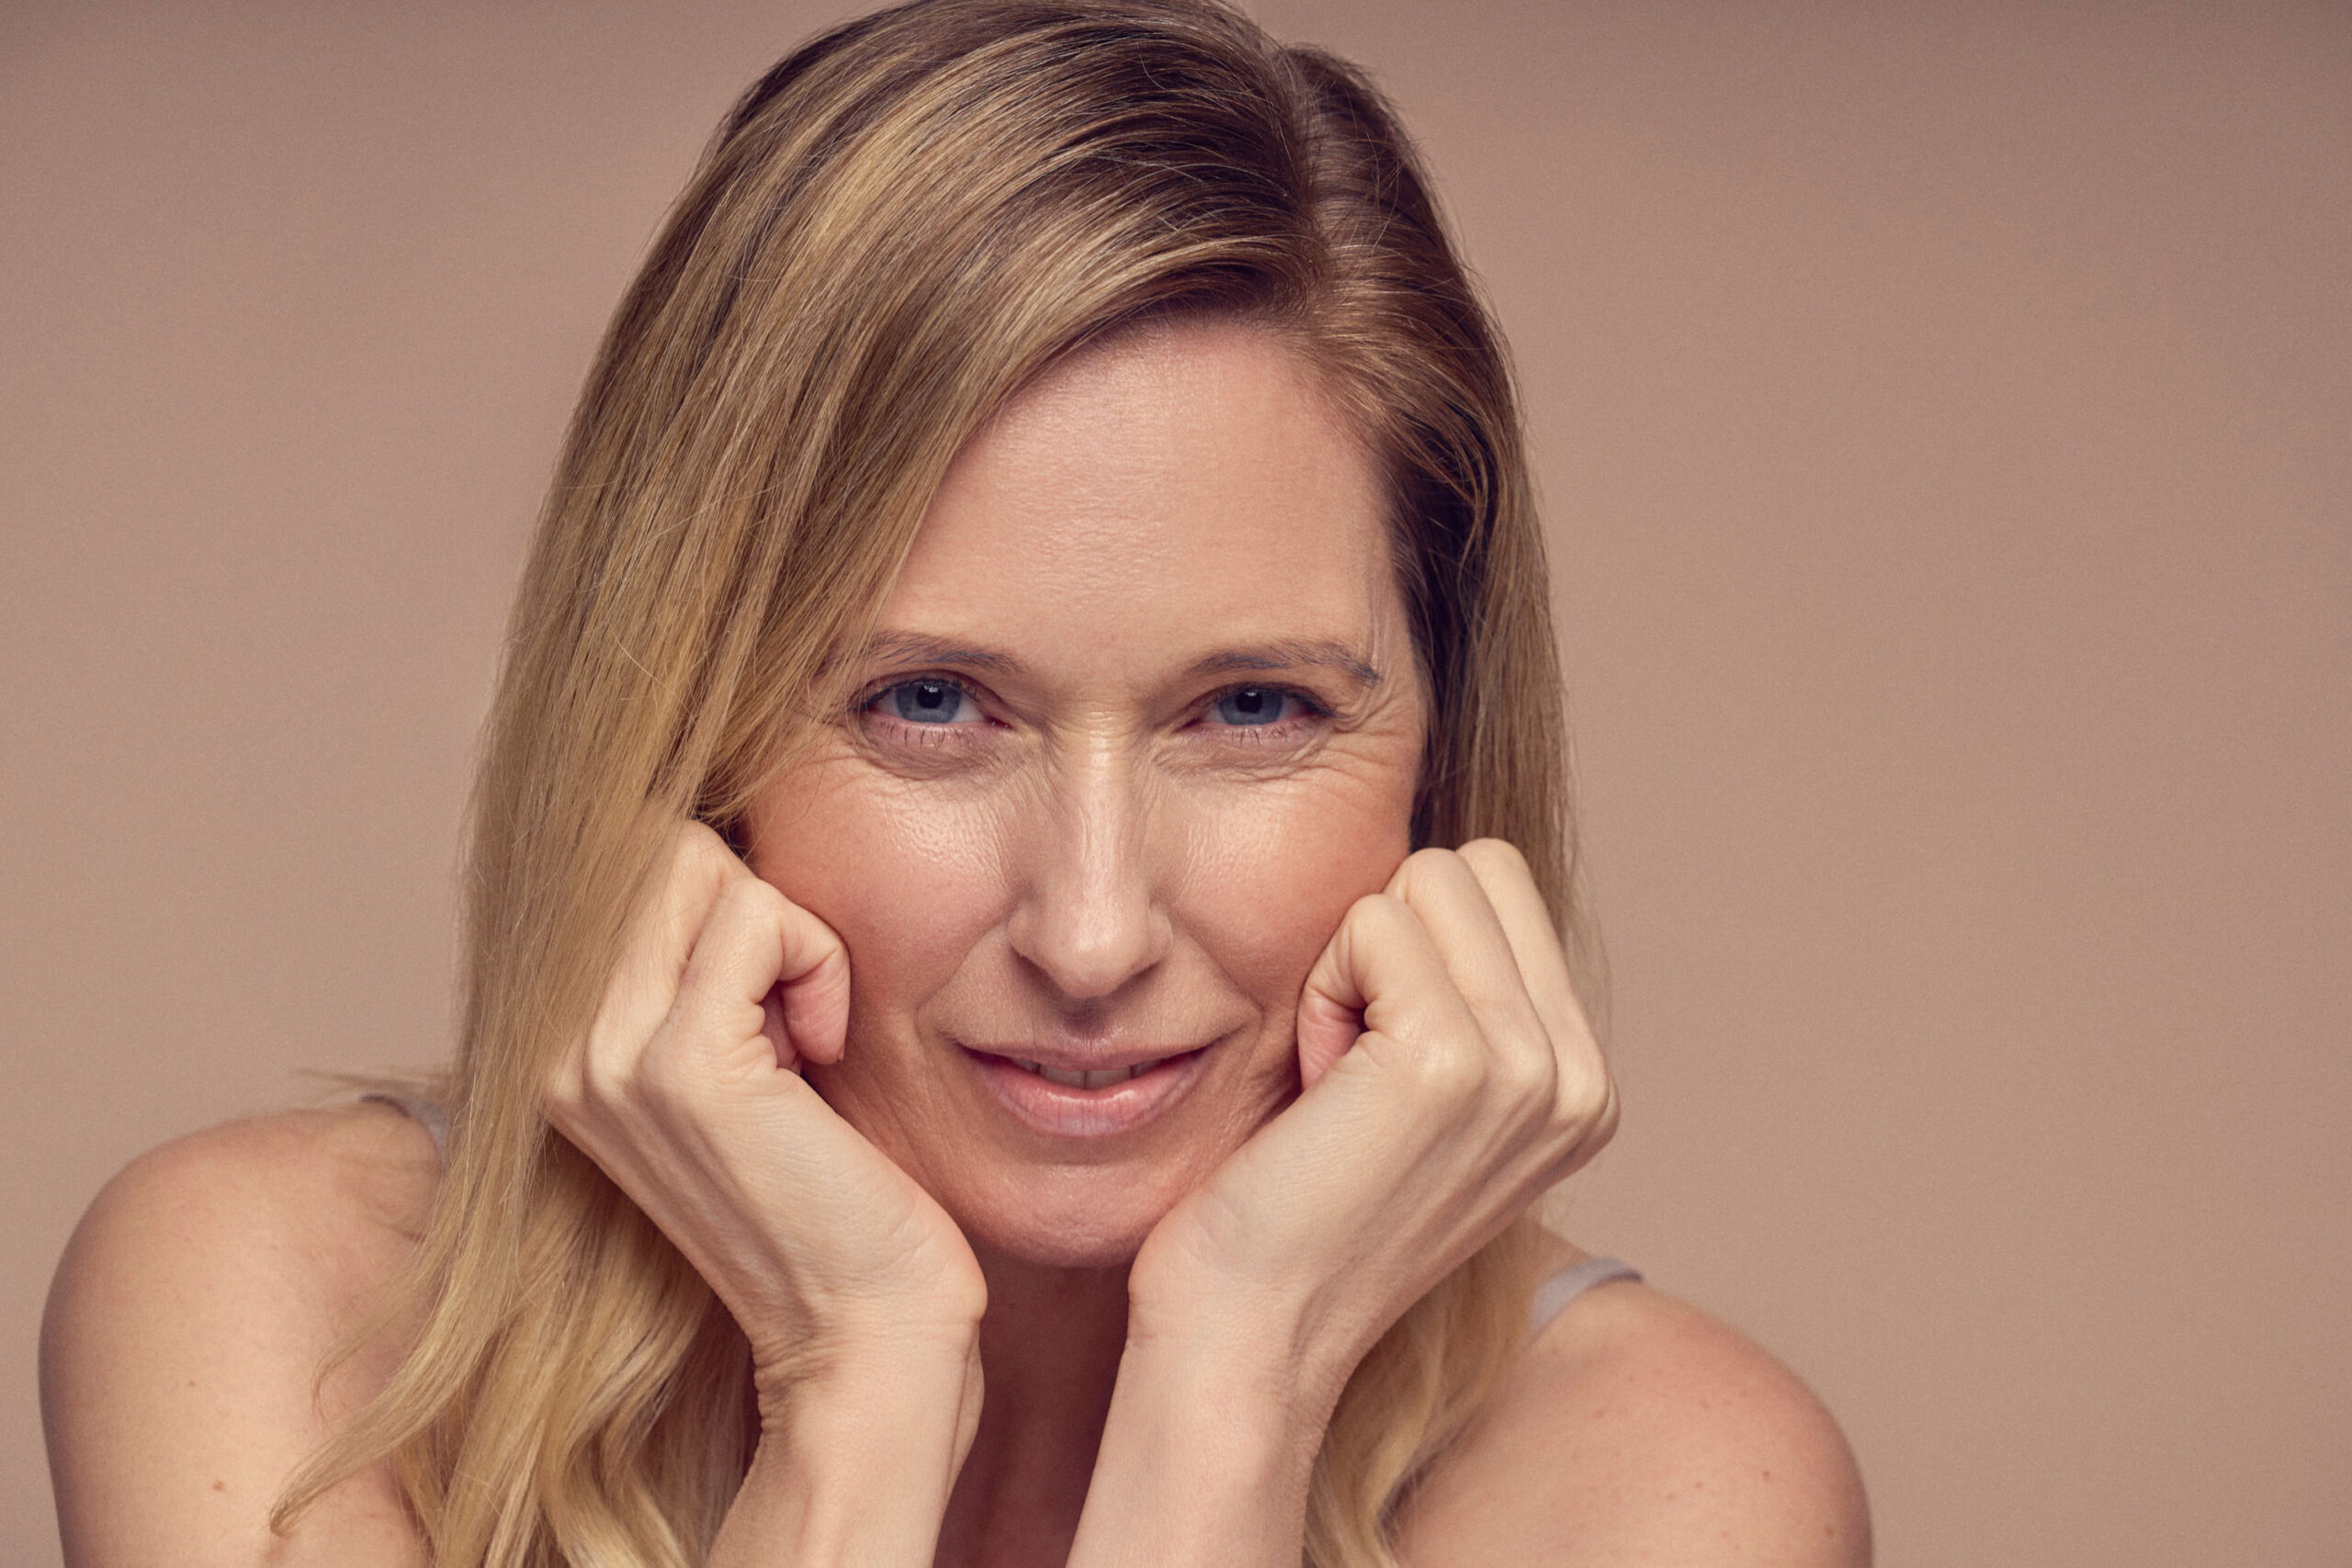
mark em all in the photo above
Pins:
pixel 892 231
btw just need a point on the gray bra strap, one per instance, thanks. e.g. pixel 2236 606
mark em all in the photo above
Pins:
pixel 426 1113
pixel 1571 1282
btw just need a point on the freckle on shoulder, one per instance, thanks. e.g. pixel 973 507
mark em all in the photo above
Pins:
pixel 1638 1424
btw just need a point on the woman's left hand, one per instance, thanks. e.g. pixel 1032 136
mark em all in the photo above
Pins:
pixel 1449 1077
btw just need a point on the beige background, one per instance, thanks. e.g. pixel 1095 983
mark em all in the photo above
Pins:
pixel 1942 409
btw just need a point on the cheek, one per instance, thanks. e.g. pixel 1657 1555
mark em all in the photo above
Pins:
pixel 909 884
pixel 1274 875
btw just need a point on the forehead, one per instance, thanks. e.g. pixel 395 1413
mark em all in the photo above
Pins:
pixel 1187 483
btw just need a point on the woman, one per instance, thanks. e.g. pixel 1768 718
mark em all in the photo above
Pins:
pixel 1015 1007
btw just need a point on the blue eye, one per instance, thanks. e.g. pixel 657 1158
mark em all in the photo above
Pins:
pixel 1251 704
pixel 928 702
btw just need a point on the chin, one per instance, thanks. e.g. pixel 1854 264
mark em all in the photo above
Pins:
pixel 1083 1217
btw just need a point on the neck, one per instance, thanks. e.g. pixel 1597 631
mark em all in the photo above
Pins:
pixel 1049 1355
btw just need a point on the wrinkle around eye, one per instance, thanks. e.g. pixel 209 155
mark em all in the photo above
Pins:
pixel 873 718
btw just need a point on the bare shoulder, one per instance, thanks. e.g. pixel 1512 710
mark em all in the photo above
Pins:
pixel 187 1324
pixel 1636 1428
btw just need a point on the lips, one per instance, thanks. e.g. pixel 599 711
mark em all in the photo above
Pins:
pixel 1068 1098
pixel 1081 1077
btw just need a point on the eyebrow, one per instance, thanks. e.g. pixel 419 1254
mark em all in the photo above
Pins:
pixel 1291 654
pixel 914 648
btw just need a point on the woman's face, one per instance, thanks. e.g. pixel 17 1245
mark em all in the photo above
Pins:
pixel 1139 721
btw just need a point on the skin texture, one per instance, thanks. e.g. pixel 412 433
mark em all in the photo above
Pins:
pixel 1100 857
pixel 186 1329
pixel 1053 826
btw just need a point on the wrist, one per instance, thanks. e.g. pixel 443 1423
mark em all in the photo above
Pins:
pixel 806 1505
pixel 845 1384
pixel 857 1455
pixel 1204 1459
pixel 1254 1381
pixel 1270 1350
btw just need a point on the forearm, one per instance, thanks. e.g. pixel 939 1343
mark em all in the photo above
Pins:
pixel 855 1469
pixel 1204 1462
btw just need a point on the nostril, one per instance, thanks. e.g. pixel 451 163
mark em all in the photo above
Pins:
pixel 1092 965
pixel 1091 953
pixel 1088 918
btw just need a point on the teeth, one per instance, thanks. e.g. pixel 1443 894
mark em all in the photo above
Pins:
pixel 1071 1078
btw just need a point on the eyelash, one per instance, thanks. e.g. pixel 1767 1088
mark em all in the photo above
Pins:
pixel 867 707
pixel 1280 731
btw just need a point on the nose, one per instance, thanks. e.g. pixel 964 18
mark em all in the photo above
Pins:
pixel 1088 917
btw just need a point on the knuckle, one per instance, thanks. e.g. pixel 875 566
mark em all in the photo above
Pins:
pixel 601 1087
pixel 699 859
pixel 745 900
pixel 563 1091
pixel 1581 1138
pixel 1529 1077
pixel 1381 914
pixel 1493 851
pixel 662 1077
pixel 1604 1124
pixel 757 896
pixel 697 842
pixel 1587 1098
pixel 1447 1073
pixel 613 1068
pixel 1428 866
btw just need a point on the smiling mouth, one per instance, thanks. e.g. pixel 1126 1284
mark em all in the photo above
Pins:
pixel 1076 1075
pixel 1081 1079
pixel 1070 1100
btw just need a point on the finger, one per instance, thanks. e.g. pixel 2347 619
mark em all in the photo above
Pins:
pixel 761 956
pixel 1331 1015
pixel 1526 920
pixel 1382 977
pixel 663 932
pixel 1587 1092
pixel 1331 1002
pixel 814 984
pixel 1442 888
pixel 656 945
pixel 772 1024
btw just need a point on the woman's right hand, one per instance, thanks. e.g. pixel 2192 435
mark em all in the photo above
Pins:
pixel 686 1091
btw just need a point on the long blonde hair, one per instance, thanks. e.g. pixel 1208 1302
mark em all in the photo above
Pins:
pixel 893 231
